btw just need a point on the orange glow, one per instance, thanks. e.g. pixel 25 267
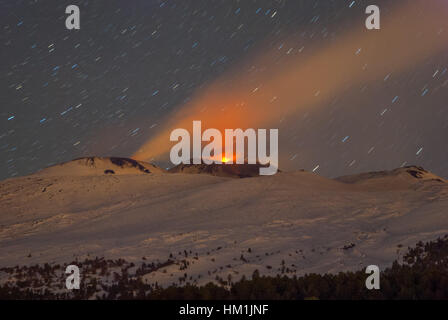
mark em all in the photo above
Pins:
pixel 223 159
pixel 276 85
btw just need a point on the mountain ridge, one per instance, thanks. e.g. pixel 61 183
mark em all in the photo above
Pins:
pixel 312 223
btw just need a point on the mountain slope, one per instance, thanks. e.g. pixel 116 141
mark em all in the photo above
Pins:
pixel 220 170
pixel 398 178
pixel 101 165
pixel 210 225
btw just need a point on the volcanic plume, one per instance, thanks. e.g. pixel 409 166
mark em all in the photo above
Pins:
pixel 274 85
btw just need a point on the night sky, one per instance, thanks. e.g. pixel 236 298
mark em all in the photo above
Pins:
pixel 105 89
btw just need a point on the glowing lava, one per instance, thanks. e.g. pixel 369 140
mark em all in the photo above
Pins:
pixel 224 159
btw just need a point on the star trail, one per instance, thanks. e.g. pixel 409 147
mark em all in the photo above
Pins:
pixel 108 88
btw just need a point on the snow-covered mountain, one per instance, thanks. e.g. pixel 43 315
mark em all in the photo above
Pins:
pixel 220 170
pixel 92 166
pixel 213 224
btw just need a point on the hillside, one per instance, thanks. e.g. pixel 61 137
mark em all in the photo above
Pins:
pixel 210 226
pixel 92 166
pixel 220 170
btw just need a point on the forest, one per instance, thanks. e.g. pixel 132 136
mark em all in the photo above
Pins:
pixel 421 275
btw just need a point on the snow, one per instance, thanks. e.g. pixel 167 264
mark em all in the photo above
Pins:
pixel 230 225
